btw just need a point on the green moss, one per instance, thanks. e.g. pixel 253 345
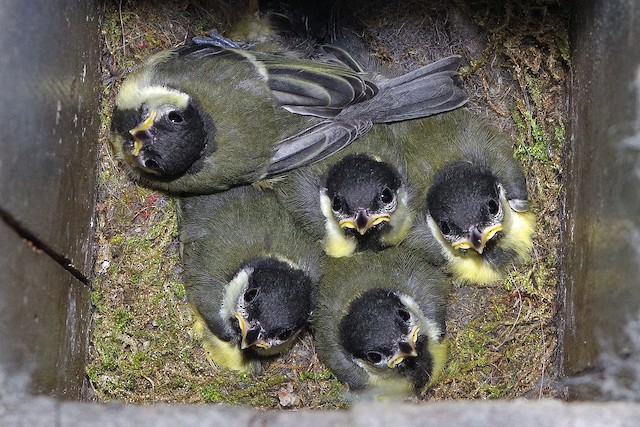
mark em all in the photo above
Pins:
pixel 242 389
pixel 96 299
pixel 122 319
pixel 139 358
pixel 559 134
pixel 178 289
pixel 531 141
pixel 534 91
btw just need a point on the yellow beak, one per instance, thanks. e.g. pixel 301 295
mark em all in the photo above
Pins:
pixel 401 355
pixel 244 330
pixel 262 344
pixel 146 124
pixel 485 235
pixel 370 221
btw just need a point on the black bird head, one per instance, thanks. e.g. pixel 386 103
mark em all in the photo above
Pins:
pixel 164 136
pixel 464 201
pixel 383 333
pixel 363 193
pixel 274 306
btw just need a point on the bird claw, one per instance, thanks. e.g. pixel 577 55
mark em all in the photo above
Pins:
pixel 215 39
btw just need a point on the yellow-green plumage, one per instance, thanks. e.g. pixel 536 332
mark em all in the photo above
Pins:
pixel 222 353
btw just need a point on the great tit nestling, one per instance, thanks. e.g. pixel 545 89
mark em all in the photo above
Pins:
pixel 475 206
pixel 203 117
pixel 383 328
pixel 358 200
pixel 248 274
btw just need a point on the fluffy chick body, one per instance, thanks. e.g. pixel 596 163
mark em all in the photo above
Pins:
pixel 394 276
pixel 450 157
pixel 227 239
pixel 357 176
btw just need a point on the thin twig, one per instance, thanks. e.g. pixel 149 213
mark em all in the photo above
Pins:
pixel 124 52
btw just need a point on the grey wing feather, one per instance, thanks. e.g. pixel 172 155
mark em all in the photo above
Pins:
pixel 344 57
pixel 322 90
pixel 426 91
pixel 447 66
pixel 315 144
pixel 201 49
pixel 302 86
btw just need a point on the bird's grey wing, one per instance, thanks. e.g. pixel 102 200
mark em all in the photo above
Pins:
pixel 202 47
pixel 429 90
pixel 344 57
pixel 215 39
pixel 315 88
pixel 314 144
pixel 308 87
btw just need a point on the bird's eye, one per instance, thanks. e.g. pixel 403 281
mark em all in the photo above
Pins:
pixel 336 204
pixel 493 207
pixel 404 314
pixel 444 227
pixel 283 336
pixel 151 164
pixel 175 117
pixel 374 357
pixel 387 196
pixel 250 294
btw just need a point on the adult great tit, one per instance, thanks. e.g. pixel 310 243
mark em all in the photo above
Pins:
pixel 382 329
pixel 358 200
pixel 475 213
pixel 248 274
pixel 203 117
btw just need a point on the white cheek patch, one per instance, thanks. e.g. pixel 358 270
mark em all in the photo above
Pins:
pixel 447 250
pixel 431 329
pixel 469 267
pixel 232 293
